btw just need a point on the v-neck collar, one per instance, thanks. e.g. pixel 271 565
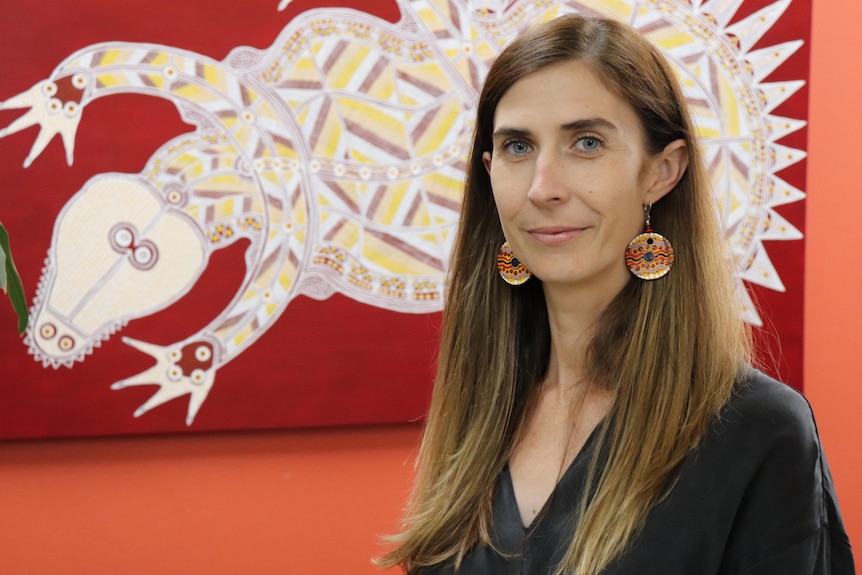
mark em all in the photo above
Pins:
pixel 572 478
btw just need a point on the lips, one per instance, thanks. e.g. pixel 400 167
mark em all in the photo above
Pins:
pixel 554 236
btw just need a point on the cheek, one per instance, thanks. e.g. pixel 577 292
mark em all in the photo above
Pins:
pixel 511 179
pixel 634 222
pixel 507 210
pixel 503 192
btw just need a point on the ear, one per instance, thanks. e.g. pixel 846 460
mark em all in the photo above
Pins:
pixel 486 159
pixel 668 167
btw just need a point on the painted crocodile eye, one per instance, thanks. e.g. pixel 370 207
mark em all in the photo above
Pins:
pixel 145 255
pixel 47 331
pixel 123 237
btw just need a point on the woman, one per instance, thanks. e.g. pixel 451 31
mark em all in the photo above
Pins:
pixel 590 421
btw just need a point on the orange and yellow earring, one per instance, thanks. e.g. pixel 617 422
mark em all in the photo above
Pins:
pixel 510 267
pixel 649 255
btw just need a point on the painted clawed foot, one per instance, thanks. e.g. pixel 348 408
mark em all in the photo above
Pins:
pixel 50 113
pixel 185 368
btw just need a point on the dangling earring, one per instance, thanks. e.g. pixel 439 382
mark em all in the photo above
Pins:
pixel 510 267
pixel 649 255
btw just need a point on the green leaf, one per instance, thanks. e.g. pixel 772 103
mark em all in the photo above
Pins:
pixel 2 269
pixel 10 281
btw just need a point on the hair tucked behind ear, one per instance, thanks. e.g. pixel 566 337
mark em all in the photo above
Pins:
pixel 671 349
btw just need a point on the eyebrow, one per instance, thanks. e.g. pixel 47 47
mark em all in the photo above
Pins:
pixel 577 125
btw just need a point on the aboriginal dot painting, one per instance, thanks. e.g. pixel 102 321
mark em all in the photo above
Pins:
pixel 510 267
pixel 649 256
pixel 240 215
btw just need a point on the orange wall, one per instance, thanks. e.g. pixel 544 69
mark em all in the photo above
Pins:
pixel 312 501
pixel 833 276
pixel 305 502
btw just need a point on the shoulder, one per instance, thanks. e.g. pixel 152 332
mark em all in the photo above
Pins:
pixel 754 497
pixel 766 411
pixel 766 430
pixel 759 394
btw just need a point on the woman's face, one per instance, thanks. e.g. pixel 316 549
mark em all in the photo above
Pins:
pixel 570 176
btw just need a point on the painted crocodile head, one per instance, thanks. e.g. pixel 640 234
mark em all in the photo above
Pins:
pixel 118 253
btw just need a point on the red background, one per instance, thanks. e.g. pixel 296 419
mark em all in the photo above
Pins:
pixel 324 362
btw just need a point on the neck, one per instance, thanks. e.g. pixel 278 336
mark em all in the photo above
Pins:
pixel 572 316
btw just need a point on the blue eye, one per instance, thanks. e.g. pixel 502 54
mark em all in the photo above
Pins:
pixel 517 147
pixel 589 143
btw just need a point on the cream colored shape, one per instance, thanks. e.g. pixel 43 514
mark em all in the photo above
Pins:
pixel 95 285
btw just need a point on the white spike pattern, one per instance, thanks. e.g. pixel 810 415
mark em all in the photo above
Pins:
pixel 749 30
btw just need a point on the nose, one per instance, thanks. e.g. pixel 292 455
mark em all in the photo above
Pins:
pixel 549 184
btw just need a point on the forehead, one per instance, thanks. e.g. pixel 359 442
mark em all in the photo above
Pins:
pixel 560 94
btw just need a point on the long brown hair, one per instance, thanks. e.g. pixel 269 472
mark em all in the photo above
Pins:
pixel 671 349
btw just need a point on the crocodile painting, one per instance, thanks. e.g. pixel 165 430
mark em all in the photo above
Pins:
pixel 338 155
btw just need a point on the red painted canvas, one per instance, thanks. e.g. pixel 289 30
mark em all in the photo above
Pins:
pixel 239 216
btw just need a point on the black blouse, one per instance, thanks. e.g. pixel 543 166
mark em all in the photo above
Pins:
pixel 755 498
